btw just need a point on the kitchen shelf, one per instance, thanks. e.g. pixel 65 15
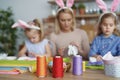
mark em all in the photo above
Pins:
pixel 86 16
pixel 82 16
pixel 91 15
pixel 53 1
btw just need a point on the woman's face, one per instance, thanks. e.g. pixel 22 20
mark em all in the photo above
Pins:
pixel 65 20
pixel 108 26
pixel 33 36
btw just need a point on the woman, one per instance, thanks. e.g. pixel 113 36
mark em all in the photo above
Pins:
pixel 66 34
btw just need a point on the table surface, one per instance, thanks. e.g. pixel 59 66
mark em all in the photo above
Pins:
pixel 87 75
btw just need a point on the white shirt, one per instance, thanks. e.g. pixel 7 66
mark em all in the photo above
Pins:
pixel 37 48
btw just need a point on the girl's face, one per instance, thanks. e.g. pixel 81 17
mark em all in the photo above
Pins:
pixel 65 20
pixel 33 36
pixel 108 26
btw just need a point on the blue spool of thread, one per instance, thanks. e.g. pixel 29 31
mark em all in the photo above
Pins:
pixel 77 65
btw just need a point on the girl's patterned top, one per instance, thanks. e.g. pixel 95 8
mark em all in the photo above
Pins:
pixel 101 45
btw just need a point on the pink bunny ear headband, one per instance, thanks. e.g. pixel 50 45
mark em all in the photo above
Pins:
pixel 69 4
pixel 101 4
pixel 24 25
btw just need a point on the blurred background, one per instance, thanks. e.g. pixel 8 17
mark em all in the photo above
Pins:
pixel 45 10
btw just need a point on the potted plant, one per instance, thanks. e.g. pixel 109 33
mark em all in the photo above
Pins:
pixel 7 34
pixel 74 9
pixel 81 8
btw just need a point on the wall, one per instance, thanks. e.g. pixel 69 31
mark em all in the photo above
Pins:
pixel 27 9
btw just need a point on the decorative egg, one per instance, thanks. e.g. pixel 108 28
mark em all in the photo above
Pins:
pixel 50 63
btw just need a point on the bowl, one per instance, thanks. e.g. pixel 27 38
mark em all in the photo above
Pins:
pixel 66 68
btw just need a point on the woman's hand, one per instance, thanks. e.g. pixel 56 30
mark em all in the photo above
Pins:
pixel 78 46
pixel 75 44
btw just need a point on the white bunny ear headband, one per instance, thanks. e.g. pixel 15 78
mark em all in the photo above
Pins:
pixel 24 25
pixel 102 5
pixel 69 4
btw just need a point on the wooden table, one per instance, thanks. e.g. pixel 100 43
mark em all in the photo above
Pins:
pixel 87 75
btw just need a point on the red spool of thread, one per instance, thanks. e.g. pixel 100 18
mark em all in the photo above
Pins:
pixel 57 69
pixel 41 67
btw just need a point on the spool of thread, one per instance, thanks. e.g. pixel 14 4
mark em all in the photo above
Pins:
pixel 41 67
pixel 57 69
pixel 83 66
pixel 77 65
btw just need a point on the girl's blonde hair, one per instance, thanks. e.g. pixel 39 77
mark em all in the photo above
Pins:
pixel 104 16
pixel 57 23
pixel 37 23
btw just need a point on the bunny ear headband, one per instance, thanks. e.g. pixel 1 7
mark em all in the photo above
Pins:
pixel 24 25
pixel 69 4
pixel 102 5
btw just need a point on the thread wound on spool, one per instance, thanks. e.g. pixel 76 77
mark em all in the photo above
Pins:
pixel 83 66
pixel 77 65
pixel 41 67
pixel 57 69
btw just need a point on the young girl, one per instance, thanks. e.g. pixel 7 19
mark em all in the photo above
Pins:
pixel 35 44
pixel 107 39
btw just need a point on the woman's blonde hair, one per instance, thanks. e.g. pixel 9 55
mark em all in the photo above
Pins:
pixel 37 23
pixel 104 16
pixel 57 23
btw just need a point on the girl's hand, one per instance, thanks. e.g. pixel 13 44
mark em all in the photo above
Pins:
pixel 99 58
pixel 33 54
